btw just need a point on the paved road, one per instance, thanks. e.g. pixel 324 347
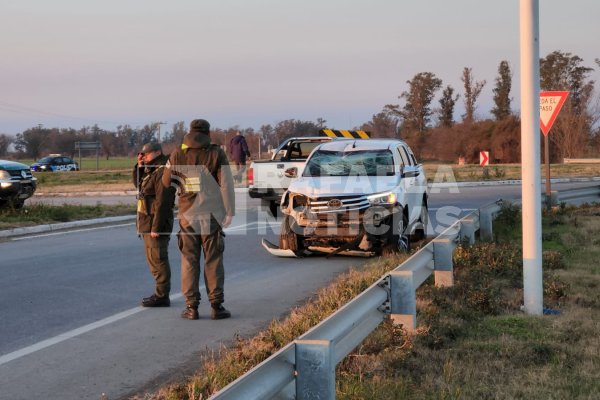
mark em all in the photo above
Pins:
pixel 71 327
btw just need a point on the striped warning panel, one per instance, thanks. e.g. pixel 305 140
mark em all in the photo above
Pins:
pixel 344 134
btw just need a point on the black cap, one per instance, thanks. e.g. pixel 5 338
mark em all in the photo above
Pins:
pixel 199 125
pixel 150 147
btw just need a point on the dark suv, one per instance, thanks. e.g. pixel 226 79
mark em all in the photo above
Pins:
pixel 53 163
pixel 16 183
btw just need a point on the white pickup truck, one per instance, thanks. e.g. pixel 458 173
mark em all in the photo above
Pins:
pixel 267 180
pixel 355 196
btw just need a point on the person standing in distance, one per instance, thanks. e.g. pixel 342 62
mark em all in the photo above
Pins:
pixel 238 148
pixel 200 171
pixel 155 219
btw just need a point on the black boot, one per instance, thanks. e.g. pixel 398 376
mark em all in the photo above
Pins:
pixel 155 301
pixel 190 312
pixel 219 312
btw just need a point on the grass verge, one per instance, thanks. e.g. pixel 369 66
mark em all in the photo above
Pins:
pixel 37 214
pixel 473 341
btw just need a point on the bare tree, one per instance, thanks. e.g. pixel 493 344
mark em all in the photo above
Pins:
pixel 472 91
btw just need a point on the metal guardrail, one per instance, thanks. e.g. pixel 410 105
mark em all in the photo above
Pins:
pixel 305 368
pixel 577 194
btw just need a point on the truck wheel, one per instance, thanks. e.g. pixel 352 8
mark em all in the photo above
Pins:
pixel 421 233
pixel 270 206
pixel 274 208
pixel 398 240
pixel 288 239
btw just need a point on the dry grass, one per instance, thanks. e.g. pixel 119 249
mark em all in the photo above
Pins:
pixel 86 187
pixel 473 342
pixel 36 214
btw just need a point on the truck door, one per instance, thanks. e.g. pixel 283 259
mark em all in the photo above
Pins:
pixel 410 176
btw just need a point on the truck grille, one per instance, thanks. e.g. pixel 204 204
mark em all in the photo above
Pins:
pixel 20 174
pixel 338 204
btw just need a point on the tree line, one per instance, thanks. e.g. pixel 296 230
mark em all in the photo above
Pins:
pixel 423 117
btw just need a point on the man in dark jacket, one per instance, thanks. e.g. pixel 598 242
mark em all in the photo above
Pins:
pixel 155 219
pixel 238 148
pixel 200 170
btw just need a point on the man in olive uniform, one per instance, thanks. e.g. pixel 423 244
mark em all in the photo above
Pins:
pixel 155 219
pixel 200 170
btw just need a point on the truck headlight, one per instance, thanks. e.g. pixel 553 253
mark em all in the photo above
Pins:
pixel 383 198
pixel 4 175
pixel 299 200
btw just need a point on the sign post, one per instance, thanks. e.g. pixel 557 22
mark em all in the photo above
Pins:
pixel 550 105
pixel 88 146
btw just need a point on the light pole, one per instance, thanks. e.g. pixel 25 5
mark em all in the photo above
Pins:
pixel 159 124
pixel 530 157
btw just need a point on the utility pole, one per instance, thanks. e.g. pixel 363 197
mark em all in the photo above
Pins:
pixel 530 157
pixel 159 124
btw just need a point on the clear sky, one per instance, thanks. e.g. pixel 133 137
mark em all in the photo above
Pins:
pixel 75 63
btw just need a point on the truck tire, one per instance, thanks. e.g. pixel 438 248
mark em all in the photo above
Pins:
pixel 399 239
pixel 421 233
pixel 274 208
pixel 288 239
pixel 271 207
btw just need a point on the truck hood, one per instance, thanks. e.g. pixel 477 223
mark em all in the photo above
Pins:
pixel 340 185
pixel 12 166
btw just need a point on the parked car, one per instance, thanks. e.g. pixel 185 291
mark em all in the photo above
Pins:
pixel 54 163
pixel 356 195
pixel 16 183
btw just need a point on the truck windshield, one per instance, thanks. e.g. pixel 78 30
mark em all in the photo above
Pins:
pixel 361 162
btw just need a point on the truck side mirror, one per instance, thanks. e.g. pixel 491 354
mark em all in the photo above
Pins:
pixel 291 172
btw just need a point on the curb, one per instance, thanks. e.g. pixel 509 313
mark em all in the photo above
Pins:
pixel 27 230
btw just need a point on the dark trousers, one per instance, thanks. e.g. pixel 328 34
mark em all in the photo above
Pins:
pixel 240 169
pixel 158 261
pixel 191 245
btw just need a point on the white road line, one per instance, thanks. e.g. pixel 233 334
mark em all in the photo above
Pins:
pixel 232 228
pixel 70 231
pixel 75 332
pixel 87 328
pixel 250 225
pixel 442 208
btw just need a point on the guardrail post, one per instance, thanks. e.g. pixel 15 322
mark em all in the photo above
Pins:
pixel 442 262
pixel 403 299
pixel 315 369
pixel 467 230
pixel 486 233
